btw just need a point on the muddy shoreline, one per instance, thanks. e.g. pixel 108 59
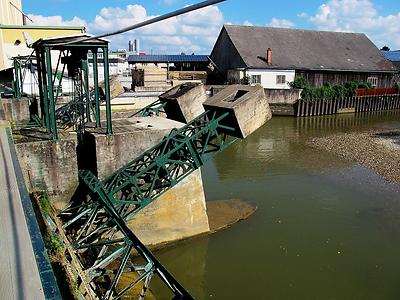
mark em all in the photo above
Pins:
pixel 378 149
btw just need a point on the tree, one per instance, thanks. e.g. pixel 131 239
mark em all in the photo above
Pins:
pixel 385 48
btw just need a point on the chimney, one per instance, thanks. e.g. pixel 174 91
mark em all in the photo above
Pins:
pixel 269 56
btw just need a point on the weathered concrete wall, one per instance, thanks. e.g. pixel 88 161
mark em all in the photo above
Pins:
pixel 247 106
pixel 131 138
pixel 275 96
pixel 16 110
pixel 50 166
pixel 184 102
pixel 177 214
pixel 282 102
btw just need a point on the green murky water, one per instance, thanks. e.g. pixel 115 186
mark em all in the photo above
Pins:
pixel 325 228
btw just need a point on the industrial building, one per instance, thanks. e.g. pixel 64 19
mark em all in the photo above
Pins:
pixel 172 62
pixel 273 57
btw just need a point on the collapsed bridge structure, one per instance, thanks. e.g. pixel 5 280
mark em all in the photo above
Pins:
pixel 112 261
pixel 97 226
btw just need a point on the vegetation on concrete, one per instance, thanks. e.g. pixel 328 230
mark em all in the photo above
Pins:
pixel 56 248
pixel 327 91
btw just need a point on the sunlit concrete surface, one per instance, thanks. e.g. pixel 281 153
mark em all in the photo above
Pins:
pixel 19 275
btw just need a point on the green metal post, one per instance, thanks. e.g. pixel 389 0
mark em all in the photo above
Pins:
pixel 107 90
pixel 17 83
pixel 85 69
pixel 96 88
pixel 43 87
pixel 53 125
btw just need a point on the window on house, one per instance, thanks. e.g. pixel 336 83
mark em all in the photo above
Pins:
pixel 280 79
pixel 373 80
pixel 255 79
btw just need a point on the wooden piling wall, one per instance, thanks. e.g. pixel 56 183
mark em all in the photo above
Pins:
pixel 356 104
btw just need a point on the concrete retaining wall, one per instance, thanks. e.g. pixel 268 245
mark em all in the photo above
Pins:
pixel 50 166
pixel 16 110
pixel 282 102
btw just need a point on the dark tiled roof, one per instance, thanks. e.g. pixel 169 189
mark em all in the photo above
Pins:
pixel 168 58
pixel 392 55
pixel 307 49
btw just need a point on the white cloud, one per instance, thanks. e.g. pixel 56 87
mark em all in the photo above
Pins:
pixel 56 21
pixel 168 2
pixel 282 23
pixel 192 32
pixel 248 23
pixel 359 16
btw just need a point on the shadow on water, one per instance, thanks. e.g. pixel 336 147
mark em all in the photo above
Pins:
pixel 325 228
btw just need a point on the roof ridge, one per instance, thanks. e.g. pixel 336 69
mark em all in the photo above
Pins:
pixel 293 29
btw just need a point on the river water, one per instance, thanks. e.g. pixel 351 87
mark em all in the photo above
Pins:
pixel 325 228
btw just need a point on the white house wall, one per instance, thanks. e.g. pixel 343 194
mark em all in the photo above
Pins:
pixel 268 77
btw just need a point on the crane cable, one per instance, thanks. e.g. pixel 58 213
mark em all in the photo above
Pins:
pixel 147 22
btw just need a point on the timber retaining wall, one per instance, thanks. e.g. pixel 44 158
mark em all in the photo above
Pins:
pixel 356 104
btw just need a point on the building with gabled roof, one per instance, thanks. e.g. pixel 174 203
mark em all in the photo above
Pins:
pixel 273 57
pixel 393 56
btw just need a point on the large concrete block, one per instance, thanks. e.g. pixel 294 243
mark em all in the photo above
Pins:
pixel 184 102
pixel 177 214
pixel 50 166
pixel 16 110
pixel 247 108
pixel 131 138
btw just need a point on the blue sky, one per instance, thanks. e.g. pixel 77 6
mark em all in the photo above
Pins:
pixel 197 32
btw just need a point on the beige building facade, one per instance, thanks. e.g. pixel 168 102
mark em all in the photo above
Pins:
pixel 10 12
pixel 13 40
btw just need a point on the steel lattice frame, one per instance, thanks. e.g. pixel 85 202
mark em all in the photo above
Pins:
pixel 154 109
pixel 92 227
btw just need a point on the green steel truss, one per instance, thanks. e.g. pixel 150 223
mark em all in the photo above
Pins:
pixel 97 227
pixel 154 109
pixel 85 103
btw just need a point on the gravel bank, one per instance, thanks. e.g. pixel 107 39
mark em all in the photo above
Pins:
pixel 376 149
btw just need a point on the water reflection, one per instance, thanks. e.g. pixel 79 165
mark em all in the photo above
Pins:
pixel 325 228
pixel 189 267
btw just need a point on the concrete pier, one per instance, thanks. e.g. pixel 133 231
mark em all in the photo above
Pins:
pixel 184 102
pixel 50 166
pixel 247 107
pixel 180 212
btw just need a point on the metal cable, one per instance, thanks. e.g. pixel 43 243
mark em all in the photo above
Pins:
pixel 148 22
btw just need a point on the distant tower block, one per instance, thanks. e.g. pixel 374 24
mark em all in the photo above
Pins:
pixel 247 106
pixel 184 102
pixel 131 47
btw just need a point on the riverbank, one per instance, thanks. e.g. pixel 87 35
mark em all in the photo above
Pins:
pixel 378 149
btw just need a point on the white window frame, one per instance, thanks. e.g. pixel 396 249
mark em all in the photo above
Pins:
pixel 255 79
pixel 280 79
pixel 373 80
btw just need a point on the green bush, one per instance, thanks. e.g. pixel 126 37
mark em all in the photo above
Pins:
pixel 245 80
pixel 329 92
pixel 299 83
pixel 397 85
